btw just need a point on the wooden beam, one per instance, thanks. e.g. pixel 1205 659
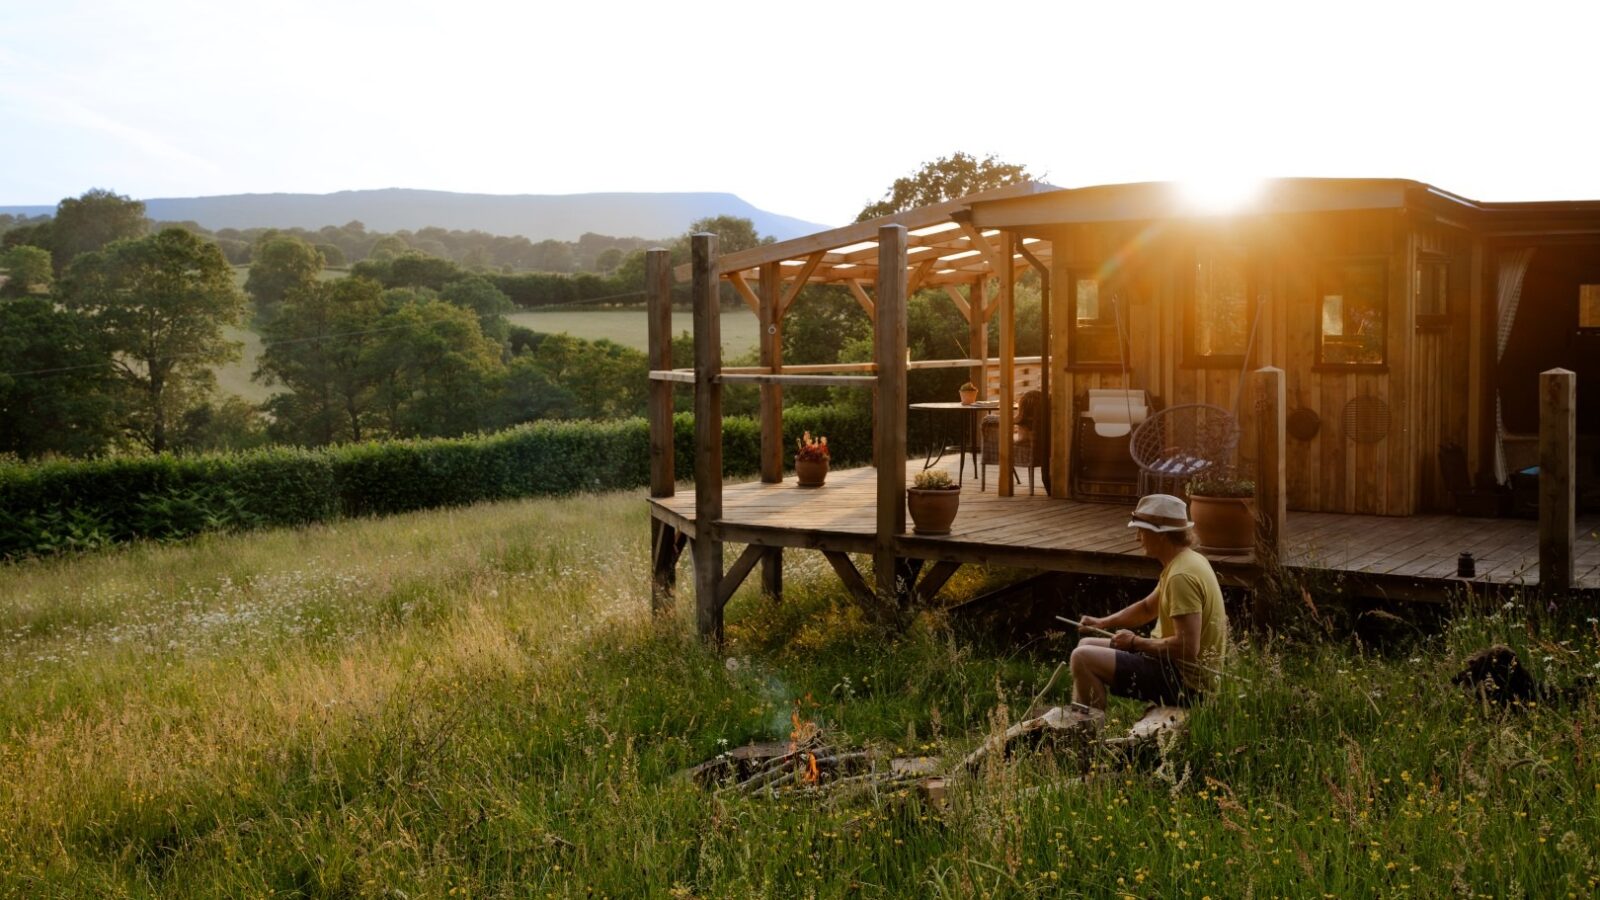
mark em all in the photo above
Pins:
pixel 664 552
pixel 860 381
pixel 960 301
pixel 707 438
pixel 658 305
pixel 1557 485
pixel 747 560
pixel 998 259
pixel 772 573
pixel 673 376
pixel 770 340
pixel 978 337
pixel 921 217
pixel 854 584
pixel 860 292
pixel 1272 485
pixel 932 582
pixel 919 275
pixel 743 288
pixel 1008 363
pixel 799 283
pixel 889 425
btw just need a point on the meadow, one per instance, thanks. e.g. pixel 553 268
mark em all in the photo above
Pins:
pixel 477 702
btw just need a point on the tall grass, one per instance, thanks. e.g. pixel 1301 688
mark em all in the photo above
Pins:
pixel 476 701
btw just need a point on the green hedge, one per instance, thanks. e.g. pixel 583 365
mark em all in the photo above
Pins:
pixel 59 506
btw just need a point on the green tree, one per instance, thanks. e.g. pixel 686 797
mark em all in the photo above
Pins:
pixel 160 304
pixel 946 178
pixel 54 382
pixel 486 301
pixel 279 265
pixel 439 371
pixel 734 233
pixel 605 379
pixel 28 271
pixel 319 347
pixel 85 224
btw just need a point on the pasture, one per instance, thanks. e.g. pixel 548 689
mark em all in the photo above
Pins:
pixel 628 327
pixel 478 702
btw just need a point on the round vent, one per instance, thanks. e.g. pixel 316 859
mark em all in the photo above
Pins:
pixel 1366 420
pixel 1303 424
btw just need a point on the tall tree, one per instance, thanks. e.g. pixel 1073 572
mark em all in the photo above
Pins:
pixel 317 347
pixel 54 382
pixel 946 178
pixel 28 271
pixel 85 224
pixel 160 303
pixel 438 369
pixel 280 265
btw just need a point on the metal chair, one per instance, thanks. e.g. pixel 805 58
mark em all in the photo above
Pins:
pixel 1178 444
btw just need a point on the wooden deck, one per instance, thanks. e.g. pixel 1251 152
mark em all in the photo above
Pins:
pixel 1413 557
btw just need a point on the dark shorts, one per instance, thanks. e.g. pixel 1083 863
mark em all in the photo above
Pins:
pixel 1149 679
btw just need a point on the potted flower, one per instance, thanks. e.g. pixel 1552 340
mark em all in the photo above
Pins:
pixel 810 461
pixel 1222 505
pixel 933 499
pixel 969 393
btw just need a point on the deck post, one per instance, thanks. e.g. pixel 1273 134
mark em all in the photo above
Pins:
pixel 663 481
pixel 1008 362
pixel 707 437
pixel 1557 487
pixel 889 427
pixel 978 336
pixel 1063 424
pixel 772 447
pixel 1271 470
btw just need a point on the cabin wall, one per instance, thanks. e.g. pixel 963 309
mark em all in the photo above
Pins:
pixel 1149 266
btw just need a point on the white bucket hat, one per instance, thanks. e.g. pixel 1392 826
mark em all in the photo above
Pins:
pixel 1161 512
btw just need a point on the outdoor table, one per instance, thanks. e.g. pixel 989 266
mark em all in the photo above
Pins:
pixel 967 439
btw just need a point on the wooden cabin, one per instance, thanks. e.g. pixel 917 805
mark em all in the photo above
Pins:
pixel 1402 330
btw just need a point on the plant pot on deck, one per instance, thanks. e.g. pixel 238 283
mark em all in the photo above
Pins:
pixel 933 509
pixel 1224 524
pixel 810 473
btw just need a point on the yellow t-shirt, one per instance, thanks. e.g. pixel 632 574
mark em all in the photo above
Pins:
pixel 1188 585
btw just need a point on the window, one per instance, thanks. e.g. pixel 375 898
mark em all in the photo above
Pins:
pixel 1219 323
pixel 1353 296
pixel 1093 339
pixel 1432 287
pixel 1589 306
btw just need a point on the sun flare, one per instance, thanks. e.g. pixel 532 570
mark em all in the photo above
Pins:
pixel 1219 195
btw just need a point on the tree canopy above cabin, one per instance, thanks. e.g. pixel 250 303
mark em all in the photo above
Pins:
pixel 946 178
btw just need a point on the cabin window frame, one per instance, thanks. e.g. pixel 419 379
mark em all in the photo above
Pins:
pixel 1193 359
pixel 1381 264
pixel 1582 328
pixel 1107 310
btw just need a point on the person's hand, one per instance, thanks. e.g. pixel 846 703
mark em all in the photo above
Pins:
pixel 1123 640
pixel 1094 622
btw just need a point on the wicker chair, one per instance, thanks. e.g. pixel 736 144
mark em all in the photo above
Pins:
pixel 1029 415
pixel 1181 443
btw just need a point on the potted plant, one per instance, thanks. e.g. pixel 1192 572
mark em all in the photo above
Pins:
pixel 969 393
pixel 933 499
pixel 810 461
pixel 1222 505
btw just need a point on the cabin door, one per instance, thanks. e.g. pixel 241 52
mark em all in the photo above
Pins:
pixel 1441 376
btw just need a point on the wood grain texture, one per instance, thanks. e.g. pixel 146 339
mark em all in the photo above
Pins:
pixel 1558 435
pixel 658 302
pixel 889 425
pixel 707 437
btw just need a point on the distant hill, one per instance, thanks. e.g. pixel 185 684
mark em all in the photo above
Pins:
pixel 563 217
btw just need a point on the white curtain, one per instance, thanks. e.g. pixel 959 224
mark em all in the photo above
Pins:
pixel 1513 266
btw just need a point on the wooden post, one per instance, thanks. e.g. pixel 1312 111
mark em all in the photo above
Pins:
pixel 978 335
pixel 771 343
pixel 707 437
pixel 1008 361
pixel 1063 426
pixel 1271 470
pixel 1557 488
pixel 663 481
pixel 889 427
pixel 772 444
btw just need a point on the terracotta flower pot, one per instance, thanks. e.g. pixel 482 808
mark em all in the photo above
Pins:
pixel 933 509
pixel 969 397
pixel 810 473
pixel 1224 524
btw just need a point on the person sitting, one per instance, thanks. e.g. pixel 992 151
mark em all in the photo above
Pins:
pixel 1181 659
pixel 1029 412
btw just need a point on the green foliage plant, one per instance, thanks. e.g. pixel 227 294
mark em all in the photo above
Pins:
pixel 934 480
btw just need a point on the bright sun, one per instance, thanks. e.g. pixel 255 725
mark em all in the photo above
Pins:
pixel 1219 195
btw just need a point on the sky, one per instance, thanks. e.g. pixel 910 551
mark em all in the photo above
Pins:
pixel 810 110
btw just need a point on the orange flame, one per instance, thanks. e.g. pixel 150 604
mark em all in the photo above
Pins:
pixel 811 776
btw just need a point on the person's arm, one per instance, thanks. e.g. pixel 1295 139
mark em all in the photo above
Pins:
pixel 1182 646
pixel 1134 615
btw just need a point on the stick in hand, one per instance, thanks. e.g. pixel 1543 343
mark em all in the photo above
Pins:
pixel 1087 629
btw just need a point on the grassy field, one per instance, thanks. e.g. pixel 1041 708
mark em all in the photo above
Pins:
pixel 628 327
pixel 477 702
